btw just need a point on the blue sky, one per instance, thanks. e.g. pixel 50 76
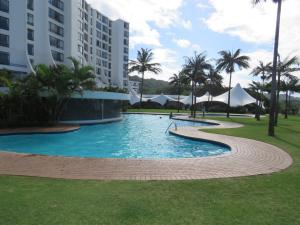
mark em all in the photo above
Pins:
pixel 178 28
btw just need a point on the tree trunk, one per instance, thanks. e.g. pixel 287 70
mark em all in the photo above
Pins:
pixel 271 130
pixel 142 88
pixel 277 98
pixel 178 99
pixel 229 93
pixel 192 99
pixel 286 104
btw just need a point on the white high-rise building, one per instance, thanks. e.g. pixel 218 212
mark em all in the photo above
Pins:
pixel 49 31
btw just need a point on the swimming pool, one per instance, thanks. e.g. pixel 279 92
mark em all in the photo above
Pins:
pixel 136 136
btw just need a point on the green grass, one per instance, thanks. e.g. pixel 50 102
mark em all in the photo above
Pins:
pixel 257 200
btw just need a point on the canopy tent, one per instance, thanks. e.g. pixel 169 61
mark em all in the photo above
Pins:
pixel 134 97
pixel 204 98
pixel 161 99
pixel 188 99
pixel 238 97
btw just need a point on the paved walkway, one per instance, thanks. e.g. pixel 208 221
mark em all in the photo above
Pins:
pixel 248 157
pixel 41 130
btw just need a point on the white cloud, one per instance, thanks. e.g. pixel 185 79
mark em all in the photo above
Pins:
pixel 203 6
pixel 183 43
pixel 256 24
pixel 141 13
pixel 169 63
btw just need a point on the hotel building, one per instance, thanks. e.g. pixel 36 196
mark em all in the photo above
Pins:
pixel 49 31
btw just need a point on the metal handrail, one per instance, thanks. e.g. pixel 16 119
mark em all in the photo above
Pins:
pixel 175 125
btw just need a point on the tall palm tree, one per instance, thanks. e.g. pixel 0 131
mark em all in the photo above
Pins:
pixel 290 85
pixel 214 80
pixel 143 64
pixel 228 62
pixel 271 130
pixel 258 88
pixel 285 69
pixel 196 68
pixel 261 70
pixel 177 80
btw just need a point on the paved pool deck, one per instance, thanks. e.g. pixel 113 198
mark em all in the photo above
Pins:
pixel 247 157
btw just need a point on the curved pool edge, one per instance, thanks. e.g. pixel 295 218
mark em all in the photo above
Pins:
pixel 246 158
pixel 58 129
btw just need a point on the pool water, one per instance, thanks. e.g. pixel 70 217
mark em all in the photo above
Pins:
pixel 136 136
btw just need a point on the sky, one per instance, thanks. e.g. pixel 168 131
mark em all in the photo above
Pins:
pixel 175 29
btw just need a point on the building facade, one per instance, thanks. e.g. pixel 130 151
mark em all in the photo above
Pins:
pixel 49 31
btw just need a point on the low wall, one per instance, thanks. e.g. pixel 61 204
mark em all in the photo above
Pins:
pixel 94 107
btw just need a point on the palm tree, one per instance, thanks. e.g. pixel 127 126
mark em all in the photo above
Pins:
pixel 285 69
pixel 228 62
pixel 196 68
pixel 261 70
pixel 83 78
pixel 288 86
pixel 271 131
pixel 177 81
pixel 258 88
pixel 214 80
pixel 5 78
pixel 143 64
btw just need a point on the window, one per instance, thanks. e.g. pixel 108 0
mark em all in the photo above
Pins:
pixel 30 34
pixel 30 19
pixel 4 23
pixel 30 49
pixel 126 50
pixel 126 34
pixel 98 25
pixel 57 43
pixel 4 5
pixel 57 3
pixel 56 29
pixel 30 4
pixel 105 29
pixel 56 16
pixel 105 20
pixel 4 40
pixel 4 58
pixel 126 25
pixel 57 56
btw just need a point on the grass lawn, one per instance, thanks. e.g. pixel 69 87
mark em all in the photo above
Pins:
pixel 258 200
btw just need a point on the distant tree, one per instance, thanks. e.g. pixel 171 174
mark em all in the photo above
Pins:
pixel 285 70
pixel 292 84
pixel 259 89
pixel 271 130
pixel 144 64
pixel 228 62
pixel 196 68
pixel 177 80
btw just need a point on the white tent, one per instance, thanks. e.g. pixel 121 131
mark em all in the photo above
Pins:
pixel 134 97
pixel 204 98
pixel 238 97
pixel 161 99
pixel 188 99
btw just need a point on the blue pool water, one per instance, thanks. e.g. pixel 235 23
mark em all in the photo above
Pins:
pixel 136 136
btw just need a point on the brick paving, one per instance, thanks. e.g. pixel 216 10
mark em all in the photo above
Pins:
pixel 247 157
pixel 41 130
